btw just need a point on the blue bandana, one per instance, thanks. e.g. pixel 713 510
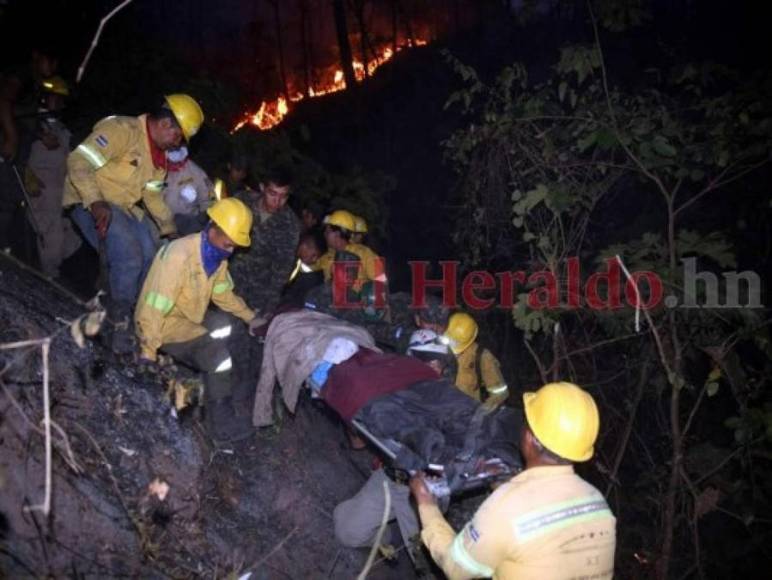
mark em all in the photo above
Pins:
pixel 211 255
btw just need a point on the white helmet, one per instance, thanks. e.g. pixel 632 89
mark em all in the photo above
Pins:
pixel 426 341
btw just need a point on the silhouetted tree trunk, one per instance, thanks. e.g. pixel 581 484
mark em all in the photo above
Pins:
pixel 364 44
pixel 341 28
pixel 276 5
pixel 408 24
pixel 305 45
pixel 394 25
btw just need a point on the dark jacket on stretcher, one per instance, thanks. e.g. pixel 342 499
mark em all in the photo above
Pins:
pixel 421 418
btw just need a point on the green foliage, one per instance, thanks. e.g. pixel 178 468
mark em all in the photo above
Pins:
pixel 581 60
pixel 537 162
pixel 547 153
pixel 620 15
pixel 754 424
pixel 650 252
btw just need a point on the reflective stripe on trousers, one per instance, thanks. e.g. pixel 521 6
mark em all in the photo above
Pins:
pixel 222 332
pixel 224 366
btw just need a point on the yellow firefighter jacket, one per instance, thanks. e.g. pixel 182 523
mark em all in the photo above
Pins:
pixel 177 293
pixel 470 379
pixel 546 523
pixel 114 164
pixel 372 266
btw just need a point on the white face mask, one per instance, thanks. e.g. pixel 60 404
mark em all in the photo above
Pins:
pixel 177 155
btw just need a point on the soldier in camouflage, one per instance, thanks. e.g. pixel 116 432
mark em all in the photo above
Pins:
pixel 262 270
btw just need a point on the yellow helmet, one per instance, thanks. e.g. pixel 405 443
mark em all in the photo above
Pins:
pixel 360 225
pixel 461 332
pixel 56 85
pixel 341 218
pixel 234 218
pixel 564 419
pixel 187 112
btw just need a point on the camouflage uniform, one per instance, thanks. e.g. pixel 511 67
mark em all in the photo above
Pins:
pixel 261 271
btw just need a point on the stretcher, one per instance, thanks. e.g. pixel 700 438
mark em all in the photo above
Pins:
pixel 420 422
pixel 461 475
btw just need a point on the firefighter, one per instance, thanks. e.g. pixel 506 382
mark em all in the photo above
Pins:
pixel 360 230
pixel 337 296
pixel 44 179
pixel 188 192
pixel 479 373
pixel 339 226
pixel 21 89
pixel 120 165
pixel 171 315
pixel 544 523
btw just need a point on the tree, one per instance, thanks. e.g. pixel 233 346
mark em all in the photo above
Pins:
pixel 305 45
pixel 549 157
pixel 359 7
pixel 278 26
pixel 341 28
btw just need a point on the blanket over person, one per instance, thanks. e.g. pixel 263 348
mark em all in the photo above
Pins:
pixel 368 375
pixel 295 343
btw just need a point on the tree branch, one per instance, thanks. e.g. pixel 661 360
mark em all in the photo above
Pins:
pixel 716 183
pixel 82 67
pixel 642 381
pixel 537 360
pixel 604 78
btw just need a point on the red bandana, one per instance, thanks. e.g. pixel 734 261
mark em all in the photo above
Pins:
pixel 175 165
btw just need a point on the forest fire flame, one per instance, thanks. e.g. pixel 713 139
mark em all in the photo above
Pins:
pixel 271 113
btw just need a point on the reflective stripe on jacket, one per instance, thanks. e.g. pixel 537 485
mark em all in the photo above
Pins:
pixel 177 293
pixel 545 523
pixel 490 377
pixel 114 164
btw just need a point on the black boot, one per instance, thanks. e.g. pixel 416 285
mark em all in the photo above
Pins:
pixel 222 423
pixel 123 340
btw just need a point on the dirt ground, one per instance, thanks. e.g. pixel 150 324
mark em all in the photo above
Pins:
pixel 264 506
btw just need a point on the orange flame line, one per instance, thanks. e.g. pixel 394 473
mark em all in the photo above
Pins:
pixel 271 113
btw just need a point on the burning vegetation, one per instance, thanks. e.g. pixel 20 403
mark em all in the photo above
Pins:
pixel 271 113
